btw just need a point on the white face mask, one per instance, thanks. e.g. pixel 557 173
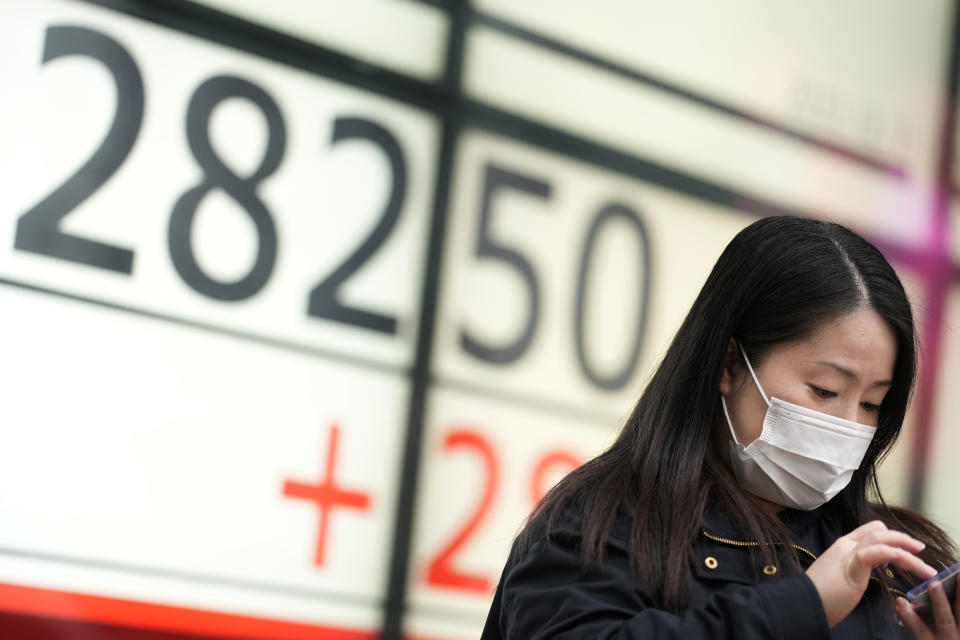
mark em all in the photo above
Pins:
pixel 803 458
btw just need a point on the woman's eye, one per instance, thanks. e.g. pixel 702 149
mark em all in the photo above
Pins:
pixel 824 393
pixel 872 408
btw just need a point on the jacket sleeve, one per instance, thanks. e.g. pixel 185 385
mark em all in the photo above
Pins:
pixel 547 594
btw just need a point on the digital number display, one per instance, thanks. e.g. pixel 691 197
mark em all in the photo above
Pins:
pixel 307 305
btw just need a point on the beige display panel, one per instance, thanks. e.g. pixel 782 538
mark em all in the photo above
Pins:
pixel 565 282
pixel 213 268
pixel 246 195
pixel 682 134
pixel 941 495
pixel 402 35
pixel 859 73
pixel 487 463
pixel 187 470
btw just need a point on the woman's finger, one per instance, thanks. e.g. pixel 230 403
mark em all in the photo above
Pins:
pixel 912 621
pixel 943 618
pixel 864 529
pixel 892 538
pixel 877 554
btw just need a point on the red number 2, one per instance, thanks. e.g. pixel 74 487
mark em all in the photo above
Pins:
pixel 441 571
pixel 548 463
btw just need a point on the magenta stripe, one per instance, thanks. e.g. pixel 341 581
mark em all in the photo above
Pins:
pixel 933 264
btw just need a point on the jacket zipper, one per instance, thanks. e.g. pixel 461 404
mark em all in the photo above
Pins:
pixel 752 543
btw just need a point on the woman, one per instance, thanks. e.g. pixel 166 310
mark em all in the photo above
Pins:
pixel 736 502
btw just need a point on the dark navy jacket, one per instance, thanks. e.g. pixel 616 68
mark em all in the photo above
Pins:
pixel 547 594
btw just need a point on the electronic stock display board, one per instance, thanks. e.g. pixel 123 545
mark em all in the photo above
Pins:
pixel 307 303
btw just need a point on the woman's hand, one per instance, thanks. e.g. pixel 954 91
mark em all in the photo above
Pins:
pixel 842 573
pixel 946 622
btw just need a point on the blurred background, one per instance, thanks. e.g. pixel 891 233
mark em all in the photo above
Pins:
pixel 307 302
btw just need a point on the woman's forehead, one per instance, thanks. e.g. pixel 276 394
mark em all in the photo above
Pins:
pixel 860 342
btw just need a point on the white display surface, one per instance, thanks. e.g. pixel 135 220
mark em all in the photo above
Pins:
pixel 162 459
pixel 490 462
pixel 282 214
pixel 648 251
pixel 334 194
pixel 710 144
pixel 942 501
pixel 859 72
pixel 402 35
pixel 213 264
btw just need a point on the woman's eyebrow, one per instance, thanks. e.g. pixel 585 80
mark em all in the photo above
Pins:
pixel 851 374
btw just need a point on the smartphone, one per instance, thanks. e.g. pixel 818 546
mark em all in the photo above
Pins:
pixel 920 594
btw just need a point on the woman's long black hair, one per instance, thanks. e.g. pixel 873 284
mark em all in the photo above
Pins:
pixel 776 281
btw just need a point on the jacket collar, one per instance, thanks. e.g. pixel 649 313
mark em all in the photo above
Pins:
pixel 718 522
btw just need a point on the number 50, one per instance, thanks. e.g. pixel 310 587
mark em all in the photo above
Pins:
pixel 497 178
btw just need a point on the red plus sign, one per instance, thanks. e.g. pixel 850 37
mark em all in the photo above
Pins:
pixel 327 494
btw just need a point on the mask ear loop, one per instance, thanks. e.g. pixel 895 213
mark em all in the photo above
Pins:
pixel 726 414
pixel 753 375
pixel 723 401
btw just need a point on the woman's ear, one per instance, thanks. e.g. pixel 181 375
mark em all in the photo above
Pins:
pixel 731 368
